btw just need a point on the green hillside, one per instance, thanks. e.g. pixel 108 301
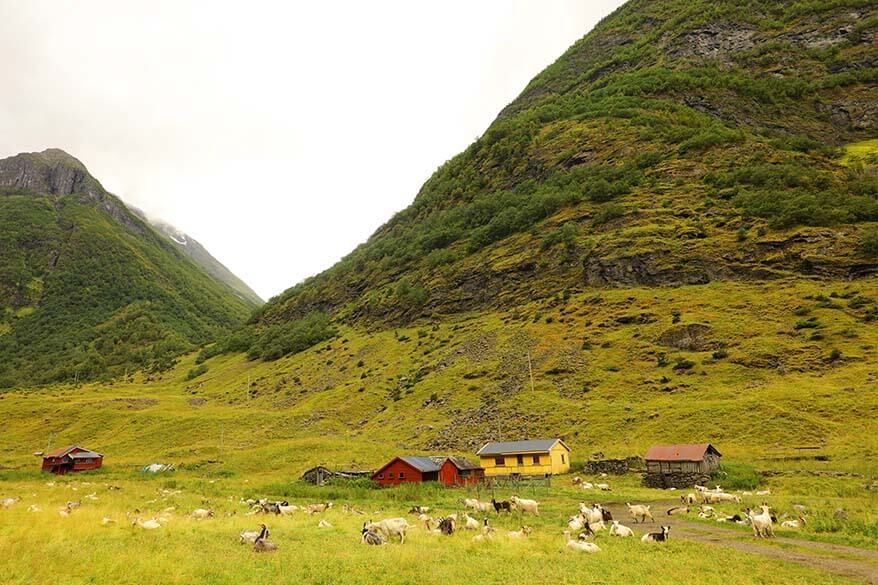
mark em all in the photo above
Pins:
pixel 87 289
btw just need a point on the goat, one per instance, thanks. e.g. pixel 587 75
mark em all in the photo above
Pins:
pixel 417 510
pixel 470 523
pixel 577 480
pixel 619 530
pixel 640 512
pixel 106 521
pixel 678 510
pixel 761 522
pixel 287 510
pixel 317 508
pixel 657 536
pixel 324 524
pixel 476 505
pixel 250 535
pixel 201 513
pixel 389 528
pixel 763 493
pixel 602 486
pixel 9 502
pixel 522 532
pixel 586 485
pixel 150 524
pixel 446 526
pixel 798 523
pixel 531 506
pixel 577 522
pixel 34 508
pixel 580 546
pixel 262 544
pixel 370 537
pixel 689 499
pixel 503 506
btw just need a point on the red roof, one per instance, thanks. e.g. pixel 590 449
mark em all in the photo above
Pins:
pixel 679 452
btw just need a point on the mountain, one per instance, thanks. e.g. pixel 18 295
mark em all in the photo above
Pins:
pixel 199 254
pixel 87 288
pixel 677 143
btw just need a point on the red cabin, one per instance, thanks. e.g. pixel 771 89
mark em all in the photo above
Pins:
pixel 72 458
pixel 457 471
pixel 451 471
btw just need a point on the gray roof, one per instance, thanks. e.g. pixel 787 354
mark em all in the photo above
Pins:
pixel 462 463
pixel 85 455
pixel 422 464
pixel 531 446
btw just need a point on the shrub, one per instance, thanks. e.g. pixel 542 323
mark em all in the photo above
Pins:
pixel 608 213
pixel 684 364
pixel 196 371
pixel 720 354
pixel 869 244
pixel 411 295
pixel 809 323
pixel 276 341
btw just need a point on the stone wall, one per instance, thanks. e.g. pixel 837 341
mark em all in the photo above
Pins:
pixel 612 466
pixel 679 480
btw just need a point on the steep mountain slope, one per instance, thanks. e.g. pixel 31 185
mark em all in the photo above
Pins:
pixel 87 289
pixel 199 254
pixel 679 142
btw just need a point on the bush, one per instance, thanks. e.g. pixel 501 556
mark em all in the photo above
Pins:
pixel 737 476
pixel 293 337
pixel 684 364
pixel 196 371
pixel 869 244
pixel 608 213
pixel 411 295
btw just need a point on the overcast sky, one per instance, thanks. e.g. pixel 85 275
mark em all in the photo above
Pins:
pixel 279 135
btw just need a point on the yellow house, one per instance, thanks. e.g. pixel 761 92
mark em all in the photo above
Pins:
pixel 533 457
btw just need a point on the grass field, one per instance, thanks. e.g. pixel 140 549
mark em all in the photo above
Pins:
pixel 44 547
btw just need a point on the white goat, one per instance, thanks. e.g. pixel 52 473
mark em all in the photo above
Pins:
pixel 201 513
pixel 470 523
pixel 531 506
pixel 580 546
pixel 522 532
pixel 477 506
pixel 689 499
pixel 639 513
pixel 762 523
pixel 619 530
pixel 389 527
pixel 9 502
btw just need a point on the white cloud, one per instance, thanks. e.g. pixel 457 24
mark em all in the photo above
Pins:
pixel 280 135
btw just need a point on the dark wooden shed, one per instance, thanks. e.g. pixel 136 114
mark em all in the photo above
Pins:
pixel 72 458
pixel 320 475
pixel 697 458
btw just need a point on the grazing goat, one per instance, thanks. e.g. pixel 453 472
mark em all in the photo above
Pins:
pixel 657 536
pixel 761 522
pixel 639 513
pixel 370 537
pixel 477 506
pixel 580 546
pixel 531 506
pixel 317 508
pixel 262 544
pixel 287 510
pixel 389 527
pixel 619 530
pixel 689 499
pixel 446 525
pixel 522 532
pixel 418 510
pixel 250 535
pixel 602 486
pixel 503 506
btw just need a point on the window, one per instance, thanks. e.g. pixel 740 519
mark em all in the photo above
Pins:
pixel 563 458
pixel 499 461
pixel 402 475
pixel 380 476
pixel 390 475
pixel 520 459
pixel 464 473
pixel 536 459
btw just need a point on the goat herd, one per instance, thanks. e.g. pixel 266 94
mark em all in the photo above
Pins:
pixel 586 523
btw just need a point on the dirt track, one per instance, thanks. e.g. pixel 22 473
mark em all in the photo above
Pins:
pixel 857 563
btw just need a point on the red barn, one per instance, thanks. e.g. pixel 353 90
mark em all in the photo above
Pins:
pixel 457 471
pixel 451 471
pixel 72 458
pixel 408 469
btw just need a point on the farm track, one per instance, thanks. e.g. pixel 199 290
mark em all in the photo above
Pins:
pixel 856 563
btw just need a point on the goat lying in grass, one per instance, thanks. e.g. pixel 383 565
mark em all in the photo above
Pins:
pixel 522 532
pixel 262 544
pixel 617 529
pixel 580 546
pixel 657 536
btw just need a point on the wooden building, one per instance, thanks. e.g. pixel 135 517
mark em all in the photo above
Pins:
pixel 457 471
pixel 320 475
pixel 408 469
pixel 532 457
pixel 698 458
pixel 451 471
pixel 70 459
